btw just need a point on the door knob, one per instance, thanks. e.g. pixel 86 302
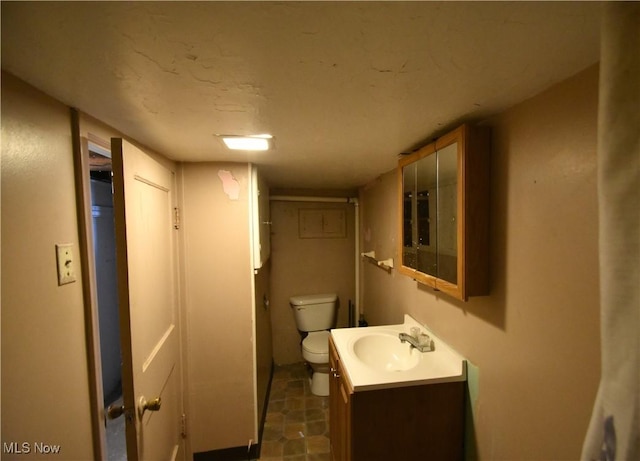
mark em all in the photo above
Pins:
pixel 150 405
pixel 115 411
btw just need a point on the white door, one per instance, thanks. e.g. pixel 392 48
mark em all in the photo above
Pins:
pixel 148 298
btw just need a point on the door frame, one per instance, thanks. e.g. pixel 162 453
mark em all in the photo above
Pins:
pixel 89 282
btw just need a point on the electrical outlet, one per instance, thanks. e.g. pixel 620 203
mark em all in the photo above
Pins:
pixel 64 257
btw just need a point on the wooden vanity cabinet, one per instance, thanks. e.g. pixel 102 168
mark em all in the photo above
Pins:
pixel 339 408
pixel 417 422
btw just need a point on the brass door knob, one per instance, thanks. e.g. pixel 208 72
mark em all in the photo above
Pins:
pixel 150 405
pixel 115 411
pixel 153 405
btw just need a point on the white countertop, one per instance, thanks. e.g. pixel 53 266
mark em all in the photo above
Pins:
pixel 440 365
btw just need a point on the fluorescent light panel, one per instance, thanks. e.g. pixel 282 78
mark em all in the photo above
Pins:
pixel 254 143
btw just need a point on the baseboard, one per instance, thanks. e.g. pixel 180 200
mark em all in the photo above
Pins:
pixel 241 453
pixel 229 454
pixel 265 407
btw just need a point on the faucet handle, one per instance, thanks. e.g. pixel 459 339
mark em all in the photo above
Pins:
pixel 424 340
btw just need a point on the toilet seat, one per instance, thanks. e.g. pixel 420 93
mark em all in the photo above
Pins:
pixel 315 347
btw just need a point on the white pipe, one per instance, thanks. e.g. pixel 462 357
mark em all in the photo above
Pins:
pixel 300 198
pixel 354 200
pixel 357 245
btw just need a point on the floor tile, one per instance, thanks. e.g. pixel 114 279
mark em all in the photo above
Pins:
pixel 297 422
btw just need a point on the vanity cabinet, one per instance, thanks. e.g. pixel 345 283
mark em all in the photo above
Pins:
pixel 339 408
pixel 414 422
pixel 443 190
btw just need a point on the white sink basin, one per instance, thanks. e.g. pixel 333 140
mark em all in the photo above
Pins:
pixel 385 352
pixel 375 358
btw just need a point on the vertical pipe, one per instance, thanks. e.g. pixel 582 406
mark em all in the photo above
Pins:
pixel 356 209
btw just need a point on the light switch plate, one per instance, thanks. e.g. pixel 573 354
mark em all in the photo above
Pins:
pixel 64 257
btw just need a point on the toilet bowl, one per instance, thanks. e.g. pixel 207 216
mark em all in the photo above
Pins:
pixel 315 350
pixel 315 314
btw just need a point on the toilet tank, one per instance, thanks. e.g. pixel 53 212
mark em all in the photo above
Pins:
pixel 314 312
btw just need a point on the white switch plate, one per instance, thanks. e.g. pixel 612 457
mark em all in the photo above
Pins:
pixel 64 257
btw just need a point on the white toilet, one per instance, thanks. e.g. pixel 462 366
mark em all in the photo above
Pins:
pixel 315 314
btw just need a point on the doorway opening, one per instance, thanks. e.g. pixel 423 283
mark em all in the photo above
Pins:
pixel 104 252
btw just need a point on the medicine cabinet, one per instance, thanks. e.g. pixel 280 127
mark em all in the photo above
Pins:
pixel 444 213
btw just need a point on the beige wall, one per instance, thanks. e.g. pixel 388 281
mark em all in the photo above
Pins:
pixel 42 323
pixel 535 339
pixel 218 278
pixel 302 266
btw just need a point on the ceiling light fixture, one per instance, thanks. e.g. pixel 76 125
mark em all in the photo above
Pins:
pixel 259 142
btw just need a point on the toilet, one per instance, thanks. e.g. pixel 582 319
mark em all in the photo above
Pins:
pixel 315 314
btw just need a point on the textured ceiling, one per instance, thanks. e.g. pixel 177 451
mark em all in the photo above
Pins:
pixel 343 86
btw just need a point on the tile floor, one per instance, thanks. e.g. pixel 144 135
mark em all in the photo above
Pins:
pixel 296 427
pixel 116 442
pixel 297 423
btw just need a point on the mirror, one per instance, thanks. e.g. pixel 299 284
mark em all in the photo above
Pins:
pixel 447 227
pixel 409 253
pixel 425 216
pixel 429 212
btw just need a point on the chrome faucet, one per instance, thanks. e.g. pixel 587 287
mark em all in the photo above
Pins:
pixel 422 342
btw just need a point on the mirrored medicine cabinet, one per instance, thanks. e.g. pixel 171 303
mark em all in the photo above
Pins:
pixel 443 190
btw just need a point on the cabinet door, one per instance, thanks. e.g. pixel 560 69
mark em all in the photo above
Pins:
pixel 426 210
pixel 339 408
pixel 447 233
pixel 463 212
pixel 261 219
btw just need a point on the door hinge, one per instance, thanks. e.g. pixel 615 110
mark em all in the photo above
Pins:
pixel 176 218
pixel 183 426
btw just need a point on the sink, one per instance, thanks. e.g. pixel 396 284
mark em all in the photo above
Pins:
pixel 375 358
pixel 385 352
